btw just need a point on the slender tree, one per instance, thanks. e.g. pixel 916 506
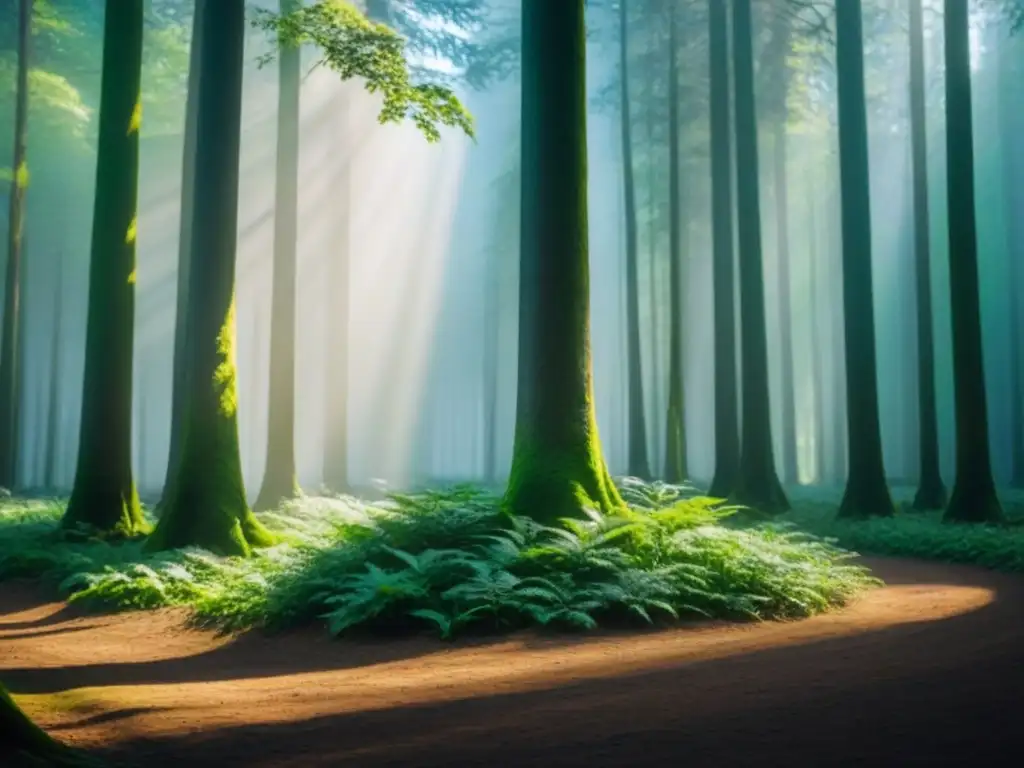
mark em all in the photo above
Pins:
pixel 557 464
pixel 179 374
pixel 817 343
pixel 9 352
pixel 727 448
pixel 207 505
pixel 279 480
pixel 931 492
pixel 675 419
pixel 53 412
pixel 757 484
pixel 638 464
pixel 867 494
pixel 104 496
pixel 974 494
pixel 1011 107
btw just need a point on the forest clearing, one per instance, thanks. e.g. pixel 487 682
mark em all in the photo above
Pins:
pixel 516 382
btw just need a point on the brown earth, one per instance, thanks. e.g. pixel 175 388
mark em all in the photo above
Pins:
pixel 926 671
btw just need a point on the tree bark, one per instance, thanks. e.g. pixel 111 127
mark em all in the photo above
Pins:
pixel 9 352
pixel 757 484
pixel 931 492
pixel 207 504
pixel 675 420
pixel 974 494
pixel 22 742
pixel 790 469
pixel 867 494
pixel 557 465
pixel 279 480
pixel 104 497
pixel 817 344
pixel 638 464
pixel 727 449
pixel 179 375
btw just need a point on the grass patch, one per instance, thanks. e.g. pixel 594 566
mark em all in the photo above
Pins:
pixel 915 534
pixel 449 559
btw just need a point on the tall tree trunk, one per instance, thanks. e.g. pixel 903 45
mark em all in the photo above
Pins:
pixel 335 461
pixel 207 504
pixel 179 374
pixel 557 465
pixel 931 492
pixel 9 352
pixel 104 496
pixel 790 469
pixel 675 421
pixel 279 481
pixel 1011 125
pixel 638 465
pixel 867 494
pixel 974 494
pixel 757 484
pixel 55 382
pixel 492 339
pixel 727 448
pixel 817 344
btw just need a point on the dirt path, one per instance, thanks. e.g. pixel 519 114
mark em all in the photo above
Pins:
pixel 927 671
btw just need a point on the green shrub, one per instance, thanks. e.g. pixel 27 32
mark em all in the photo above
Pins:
pixel 451 559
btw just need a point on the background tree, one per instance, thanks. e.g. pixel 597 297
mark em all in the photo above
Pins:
pixel 757 484
pixel 9 353
pixel 866 492
pixel 104 495
pixel 973 498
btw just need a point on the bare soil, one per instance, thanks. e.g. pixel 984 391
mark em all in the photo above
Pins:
pixel 926 671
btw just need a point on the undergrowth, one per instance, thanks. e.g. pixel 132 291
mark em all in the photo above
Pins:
pixel 450 559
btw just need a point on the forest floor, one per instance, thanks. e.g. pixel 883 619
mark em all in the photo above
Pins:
pixel 925 671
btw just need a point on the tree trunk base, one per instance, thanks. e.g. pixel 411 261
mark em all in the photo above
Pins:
pixel 862 501
pixel 275 493
pixel 110 515
pixel 764 494
pixel 222 526
pixel 931 495
pixel 974 502
pixel 723 483
pixel 23 744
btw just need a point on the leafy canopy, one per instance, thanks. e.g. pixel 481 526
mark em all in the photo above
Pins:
pixel 353 46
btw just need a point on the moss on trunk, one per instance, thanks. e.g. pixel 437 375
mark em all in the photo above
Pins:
pixel 206 504
pixel 866 494
pixel 757 484
pixel 973 499
pixel 557 465
pixel 104 496
pixel 727 446
pixel 279 480
pixel 23 744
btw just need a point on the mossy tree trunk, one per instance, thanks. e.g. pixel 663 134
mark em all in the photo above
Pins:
pixel 931 492
pixel 103 496
pixel 179 380
pixel 638 464
pixel 9 334
pixel 557 464
pixel 206 505
pixel 867 494
pixel 279 480
pixel 53 411
pixel 757 484
pixel 727 447
pixel 675 420
pixel 23 743
pixel 973 498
